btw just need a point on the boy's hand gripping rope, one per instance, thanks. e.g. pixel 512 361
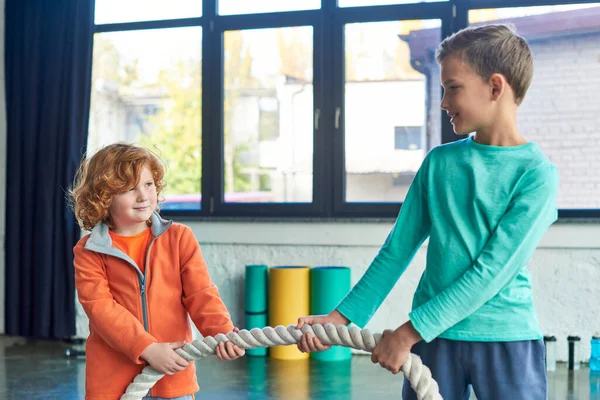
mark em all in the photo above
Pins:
pixel 414 370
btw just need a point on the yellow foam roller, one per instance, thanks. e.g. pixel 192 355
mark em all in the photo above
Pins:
pixel 289 298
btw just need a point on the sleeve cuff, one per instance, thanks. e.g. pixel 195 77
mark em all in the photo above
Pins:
pixel 420 325
pixel 347 311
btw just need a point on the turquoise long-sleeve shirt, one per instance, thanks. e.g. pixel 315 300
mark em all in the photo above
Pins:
pixel 484 209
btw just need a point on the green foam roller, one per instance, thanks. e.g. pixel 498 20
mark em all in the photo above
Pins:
pixel 256 321
pixel 256 288
pixel 328 286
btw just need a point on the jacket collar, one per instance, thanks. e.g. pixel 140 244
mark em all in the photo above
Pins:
pixel 100 237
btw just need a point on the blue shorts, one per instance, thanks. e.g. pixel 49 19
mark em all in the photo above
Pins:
pixel 188 397
pixel 494 370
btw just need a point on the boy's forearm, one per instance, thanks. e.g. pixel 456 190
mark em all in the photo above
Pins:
pixel 209 313
pixel 366 296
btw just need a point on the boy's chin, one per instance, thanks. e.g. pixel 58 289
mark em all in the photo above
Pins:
pixel 462 132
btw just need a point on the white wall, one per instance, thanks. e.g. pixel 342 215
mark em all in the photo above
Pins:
pixel 565 268
pixel 2 166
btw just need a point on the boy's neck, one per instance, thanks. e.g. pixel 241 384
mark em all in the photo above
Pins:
pixel 501 141
pixel 130 230
pixel 503 133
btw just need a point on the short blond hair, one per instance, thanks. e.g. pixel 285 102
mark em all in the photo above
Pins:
pixel 114 169
pixel 491 49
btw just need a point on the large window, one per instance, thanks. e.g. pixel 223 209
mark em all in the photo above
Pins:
pixel 324 108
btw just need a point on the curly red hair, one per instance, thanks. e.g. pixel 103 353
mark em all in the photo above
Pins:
pixel 114 169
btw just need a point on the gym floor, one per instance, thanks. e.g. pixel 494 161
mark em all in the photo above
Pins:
pixel 35 370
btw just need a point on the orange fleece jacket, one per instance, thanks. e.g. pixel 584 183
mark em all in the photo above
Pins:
pixel 109 288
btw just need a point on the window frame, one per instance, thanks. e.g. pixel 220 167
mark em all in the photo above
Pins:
pixel 223 24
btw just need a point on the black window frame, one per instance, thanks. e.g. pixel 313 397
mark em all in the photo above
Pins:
pixel 328 24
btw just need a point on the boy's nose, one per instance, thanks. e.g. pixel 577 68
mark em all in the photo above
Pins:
pixel 444 104
pixel 141 197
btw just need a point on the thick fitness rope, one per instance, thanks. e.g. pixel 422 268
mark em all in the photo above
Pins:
pixel 414 370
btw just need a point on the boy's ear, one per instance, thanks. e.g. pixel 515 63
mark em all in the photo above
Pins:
pixel 498 85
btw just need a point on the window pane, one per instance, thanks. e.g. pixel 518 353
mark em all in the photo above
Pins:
pixel 268 115
pixel 392 100
pixel 561 111
pixel 146 88
pixel 114 11
pixel 360 3
pixel 232 7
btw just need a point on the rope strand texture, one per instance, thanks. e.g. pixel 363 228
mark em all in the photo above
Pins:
pixel 414 370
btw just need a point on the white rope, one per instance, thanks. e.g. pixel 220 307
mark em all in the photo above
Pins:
pixel 414 370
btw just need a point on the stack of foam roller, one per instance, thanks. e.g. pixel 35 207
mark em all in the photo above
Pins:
pixel 279 295
pixel 256 301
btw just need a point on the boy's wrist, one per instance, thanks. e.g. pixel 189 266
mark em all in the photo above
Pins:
pixel 408 335
pixel 338 318
pixel 146 351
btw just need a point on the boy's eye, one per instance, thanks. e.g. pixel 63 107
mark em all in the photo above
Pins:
pixel 452 88
pixel 148 184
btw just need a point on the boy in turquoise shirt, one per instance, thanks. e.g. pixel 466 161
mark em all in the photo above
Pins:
pixel 484 203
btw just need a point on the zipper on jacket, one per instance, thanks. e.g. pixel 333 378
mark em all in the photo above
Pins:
pixel 144 305
pixel 143 287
